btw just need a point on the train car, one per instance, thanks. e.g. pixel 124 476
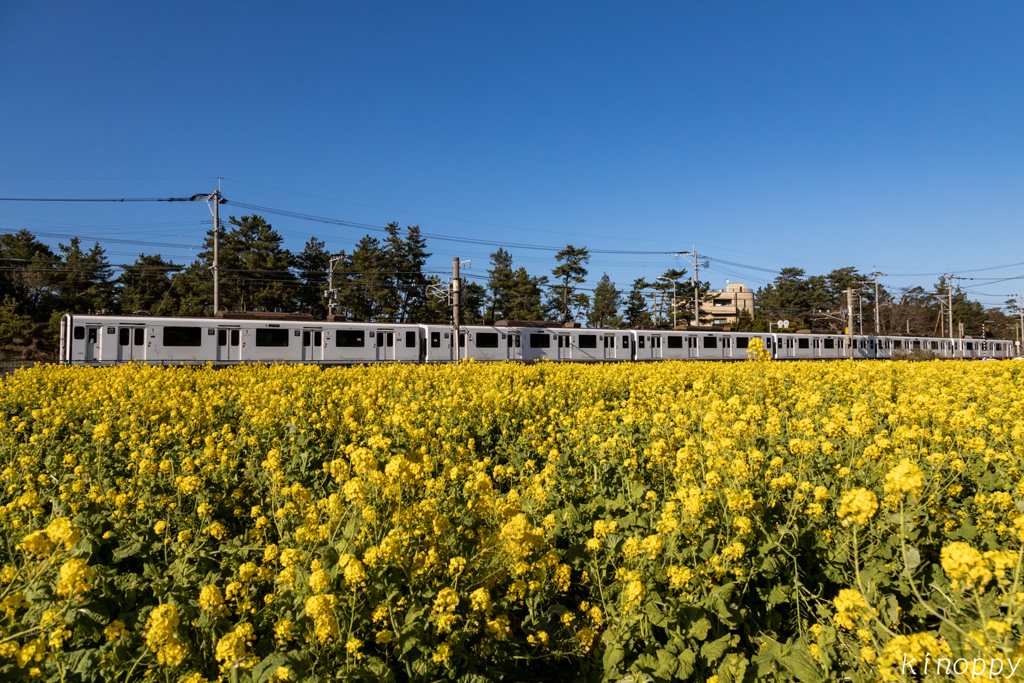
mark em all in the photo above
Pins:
pixel 110 340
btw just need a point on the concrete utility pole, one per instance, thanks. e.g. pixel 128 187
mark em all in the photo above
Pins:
pixel 1020 309
pixel 455 306
pixel 961 340
pixel 849 320
pixel 332 293
pixel 876 274
pixel 216 249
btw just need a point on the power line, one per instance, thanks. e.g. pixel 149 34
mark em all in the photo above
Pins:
pixel 127 199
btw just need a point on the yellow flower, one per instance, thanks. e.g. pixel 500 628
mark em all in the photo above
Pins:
pixel 160 636
pixel 232 650
pixel 966 566
pixel 319 581
pixel 905 478
pixel 114 630
pixel 74 577
pixel 857 506
pixel 281 673
pixel 851 608
pixel 61 530
pixel 160 527
pixel 37 543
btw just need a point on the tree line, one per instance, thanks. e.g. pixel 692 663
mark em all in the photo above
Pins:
pixel 384 280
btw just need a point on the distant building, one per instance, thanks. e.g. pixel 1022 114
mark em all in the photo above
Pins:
pixel 727 303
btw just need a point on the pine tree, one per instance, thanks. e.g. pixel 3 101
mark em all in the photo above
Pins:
pixel 570 272
pixel 313 263
pixel 84 282
pixel 146 285
pixel 525 296
pixel 500 279
pixel 605 310
pixel 636 314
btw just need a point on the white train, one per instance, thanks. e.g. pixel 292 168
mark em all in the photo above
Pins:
pixel 111 340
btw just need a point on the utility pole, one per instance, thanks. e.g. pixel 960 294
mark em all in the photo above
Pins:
pixel 216 249
pixel 455 306
pixel 849 320
pixel 1020 309
pixel 860 313
pixel 876 274
pixel 332 293
pixel 215 210
pixel 961 340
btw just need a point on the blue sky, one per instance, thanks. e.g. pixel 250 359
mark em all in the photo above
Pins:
pixel 816 135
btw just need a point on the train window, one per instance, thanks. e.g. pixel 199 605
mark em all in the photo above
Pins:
pixel 79 332
pixel 803 343
pixel 658 341
pixel 124 336
pixel 641 341
pixel 517 341
pixel 917 343
pixel 830 343
pixel 625 341
pixel 935 346
pixel 267 337
pixel 742 342
pixel 999 347
pixel 390 339
pixel 318 338
pixel 462 339
pixel 710 342
pixel 435 340
pixel 222 337
pixel 970 346
pixel 540 341
pixel 509 340
pixel 380 339
pixel 92 335
pixel 140 336
pixel 306 338
pixel 897 344
pixel 605 338
pixel 675 342
pixel 349 338
pixel 487 340
pixel 410 339
pixel 559 341
pixel 234 337
pixel 588 341
pixel 184 336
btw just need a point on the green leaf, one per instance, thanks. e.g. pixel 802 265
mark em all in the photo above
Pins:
pixel 699 629
pixel 714 650
pixel 913 557
pixel 801 664
pixel 667 665
pixel 686 660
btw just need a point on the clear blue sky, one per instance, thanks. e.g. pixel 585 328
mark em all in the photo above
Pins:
pixel 818 135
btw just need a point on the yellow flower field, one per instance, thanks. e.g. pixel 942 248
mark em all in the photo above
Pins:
pixel 683 521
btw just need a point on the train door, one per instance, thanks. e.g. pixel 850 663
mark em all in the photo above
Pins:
pixel 313 345
pixel 816 348
pixel 656 346
pixel 564 348
pixel 92 343
pixel 385 344
pixel 691 347
pixel 726 347
pixel 228 344
pixel 124 344
pixel 514 342
pixel 609 346
pixel 790 351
